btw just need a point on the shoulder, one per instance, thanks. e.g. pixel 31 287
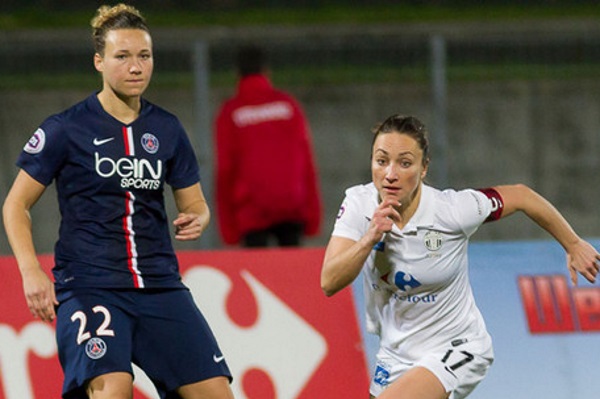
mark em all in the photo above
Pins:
pixel 162 122
pixel 452 197
pixel 360 199
pixel 74 112
pixel 465 208
pixel 361 191
pixel 53 127
pixel 355 212
pixel 287 97
pixel 228 106
pixel 456 201
pixel 150 109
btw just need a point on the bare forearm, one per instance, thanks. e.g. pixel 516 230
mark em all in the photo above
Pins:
pixel 544 214
pixel 581 256
pixel 341 269
pixel 17 223
pixel 194 214
pixel 201 210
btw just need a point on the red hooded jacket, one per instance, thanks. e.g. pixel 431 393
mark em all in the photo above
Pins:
pixel 265 171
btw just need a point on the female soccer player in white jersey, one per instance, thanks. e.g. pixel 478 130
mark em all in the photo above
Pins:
pixel 117 295
pixel 410 242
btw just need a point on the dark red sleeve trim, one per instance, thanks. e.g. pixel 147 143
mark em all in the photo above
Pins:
pixel 497 203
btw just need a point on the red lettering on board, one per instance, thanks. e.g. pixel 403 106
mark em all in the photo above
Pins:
pixel 552 307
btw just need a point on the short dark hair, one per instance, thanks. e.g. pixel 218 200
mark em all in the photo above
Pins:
pixel 405 124
pixel 251 60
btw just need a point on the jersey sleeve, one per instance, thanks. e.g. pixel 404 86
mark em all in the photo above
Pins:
pixel 183 169
pixel 45 152
pixel 496 201
pixel 472 208
pixel 350 221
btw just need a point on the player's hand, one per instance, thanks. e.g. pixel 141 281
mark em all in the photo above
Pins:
pixel 583 258
pixel 384 218
pixel 39 294
pixel 188 227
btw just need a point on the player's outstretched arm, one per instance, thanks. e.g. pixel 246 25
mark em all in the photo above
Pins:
pixel 37 286
pixel 194 214
pixel 582 257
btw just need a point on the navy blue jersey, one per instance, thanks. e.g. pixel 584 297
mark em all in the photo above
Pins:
pixel 110 178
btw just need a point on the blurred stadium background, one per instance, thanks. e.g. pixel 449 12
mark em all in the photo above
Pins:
pixel 509 89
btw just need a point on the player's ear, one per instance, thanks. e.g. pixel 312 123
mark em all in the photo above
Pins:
pixel 98 62
pixel 425 169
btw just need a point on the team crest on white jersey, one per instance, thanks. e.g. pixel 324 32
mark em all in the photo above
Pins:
pixel 95 348
pixel 150 143
pixel 433 240
pixel 36 142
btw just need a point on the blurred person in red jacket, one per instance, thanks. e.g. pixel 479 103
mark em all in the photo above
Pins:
pixel 266 182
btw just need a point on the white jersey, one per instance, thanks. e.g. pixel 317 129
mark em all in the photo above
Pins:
pixel 417 289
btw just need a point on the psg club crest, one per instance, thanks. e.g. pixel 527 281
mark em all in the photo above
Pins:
pixel 150 143
pixel 95 348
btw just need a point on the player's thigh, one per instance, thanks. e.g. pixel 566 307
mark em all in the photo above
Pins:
pixel 416 383
pixel 111 386
pixel 93 335
pixel 213 388
pixel 174 344
pixel 459 368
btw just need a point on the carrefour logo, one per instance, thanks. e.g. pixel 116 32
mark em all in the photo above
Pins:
pixel 405 281
pixel 277 321
pixel 134 172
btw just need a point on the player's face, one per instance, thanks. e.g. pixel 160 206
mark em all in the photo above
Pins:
pixel 127 63
pixel 397 167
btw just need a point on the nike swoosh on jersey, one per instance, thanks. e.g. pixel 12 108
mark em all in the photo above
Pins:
pixel 218 359
pixel 98 142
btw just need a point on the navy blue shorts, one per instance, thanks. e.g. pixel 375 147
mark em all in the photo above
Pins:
pixel 162 331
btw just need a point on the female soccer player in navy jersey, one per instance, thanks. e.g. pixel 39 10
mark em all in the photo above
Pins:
pixel 410 242
pixel 117 295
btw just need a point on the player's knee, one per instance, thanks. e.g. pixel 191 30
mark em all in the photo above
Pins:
pixel 111 386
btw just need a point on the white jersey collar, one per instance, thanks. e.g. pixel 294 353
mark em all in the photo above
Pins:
pixel 423 217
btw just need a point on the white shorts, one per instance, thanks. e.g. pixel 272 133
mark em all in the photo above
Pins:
pixel 460 367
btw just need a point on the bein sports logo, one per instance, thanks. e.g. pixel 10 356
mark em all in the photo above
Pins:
pixel 552 307
pixel 134 172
